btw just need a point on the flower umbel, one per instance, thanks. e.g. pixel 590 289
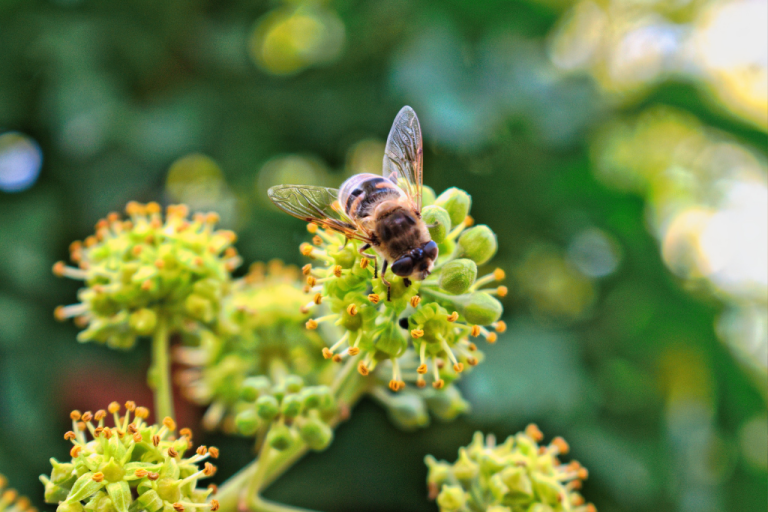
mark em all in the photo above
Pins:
pixel 10 501
pixel 129 466
pixel 518 475
pixel 435 318
pixel 147 270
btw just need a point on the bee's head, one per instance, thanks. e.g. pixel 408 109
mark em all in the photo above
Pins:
pixel 416 264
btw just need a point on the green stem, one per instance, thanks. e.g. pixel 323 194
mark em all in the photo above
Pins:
pixel 160 381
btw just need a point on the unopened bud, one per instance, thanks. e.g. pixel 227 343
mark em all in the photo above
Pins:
pixel 253 387
pixel 267 407
pixel 291 406
pixel 478 244
pixel 280 437
pixel 482 309
pixel 438 222
pixel 247 422
pixel 316 434
pixel 458 275
pixel 456 202
pixel 143 321
pixel 451 498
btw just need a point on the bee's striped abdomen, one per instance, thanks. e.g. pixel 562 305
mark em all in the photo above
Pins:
pixel 360 194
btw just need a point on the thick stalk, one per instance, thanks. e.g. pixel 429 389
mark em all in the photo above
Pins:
pixel 160 380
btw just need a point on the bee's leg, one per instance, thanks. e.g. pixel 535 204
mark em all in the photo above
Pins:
pixel 389 286
pixel 406 282
pixel 362 250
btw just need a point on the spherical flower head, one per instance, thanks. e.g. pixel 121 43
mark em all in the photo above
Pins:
pixel 129 465
pixel 519 474
pixel 147 270
pixel 10 501
pixel 284 410
pixel 434 319
pixel 260 332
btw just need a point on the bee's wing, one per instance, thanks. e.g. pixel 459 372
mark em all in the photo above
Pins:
pixel 404 153
pixel 318 205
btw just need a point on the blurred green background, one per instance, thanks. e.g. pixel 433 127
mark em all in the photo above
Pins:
pixel 618 148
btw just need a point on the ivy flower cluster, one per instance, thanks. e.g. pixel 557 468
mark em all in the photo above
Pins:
pixel 10 501
pixel 519 475
pixel 438 317
pixel 148 274
pixel 259 333
pixel 130 466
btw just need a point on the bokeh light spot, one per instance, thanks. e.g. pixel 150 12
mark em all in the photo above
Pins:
pixel 20 161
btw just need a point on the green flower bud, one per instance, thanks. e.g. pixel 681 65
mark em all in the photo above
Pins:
pixel 497 487
pixel 451 498
pixel 62 472
pixel 291 406
pixel 68 507
pixel 253 387
pixel 407 411
pixel 293 383
pixel 427 196
pixel 84 487
pixel 143 321
pixel 481 309
pixel 199 307
pixel 113 472
pixel 150 501
pixel 267 407
pixel 517 481
pixel 317 397
pixel 501 508
pixel 478 243
pixel 465 468
pixel 439 471
pixel 280 437
pixel 316 434
pixel 447 404
pixel 458 275
pixel 168 489
pixel 247 422
pixel 456 202
pixel 438 221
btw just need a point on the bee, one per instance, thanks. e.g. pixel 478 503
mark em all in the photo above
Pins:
pixel 383 212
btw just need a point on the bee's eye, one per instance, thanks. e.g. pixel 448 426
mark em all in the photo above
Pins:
pixel 430 250
pixel 403 267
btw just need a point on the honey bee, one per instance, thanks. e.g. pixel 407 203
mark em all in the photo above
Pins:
pixel 383 212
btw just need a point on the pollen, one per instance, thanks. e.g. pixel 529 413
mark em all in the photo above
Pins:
pixel 502 291
pixel 113 407
pixel 500 326
pixel 201 450
pixel 469 221
pixel 438 384
pixel 99 415
pixel 353 351
pixel 130 405
pixel 458 367
pixel 141 473
pixel 214 505
pixel 58 268
pixel 475 332
pixel 178 507
pixel 306 249
pixel 422 369
pixel 352 309
pixel 69 436
pixel 499 274
pixel 532 431
pixel 561 445
pixel 311 324
pixel 316 240
pixel 337 270
pixel 75 415
pixel 453 317
pixel 172 452
pixel 327 354
pixel 169 423
pixel 373 297
pixel 312 228
pixel 142 412
pixel 98 476
pixel 415 300
pixel 417 333
pixel 362 369
pixel 363 262
pixel 209 469
pixel 306 269
pixel 311 281
pixel 491 337
pixel 336 358
pixel 214 452
pixel 472 361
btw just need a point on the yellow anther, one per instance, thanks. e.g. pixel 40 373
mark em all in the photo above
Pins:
pixel 438 384
pixel 417 333
pixel 532 431
pixel 312 228
pixel 336 358
pixel 337 270
pixel 453 317
pixel 374 297
pixel 169 423
pixel 363 262
pixel 306 249
pixel 415 300
pixel 561 445
pixel 100 415
pixel 130 405
pixel 327 354
pixel 316 240
pixel 491 338
pixel 318 298
pixel 311 324
pixel 214 452
pixel 422 369
pixel 75 415
pixel 458 367
pixel 353 351
pixel 468 221
pixel 306 269
pixel 113 407
pixel 472 361
pixel 475 331
pixel 502 291
pixel 500 326
pixel 352 309
pixel 98 476
pixel 499 274
pixel 142 412
pixel 362 369
pixel 311 281
pixel 394 385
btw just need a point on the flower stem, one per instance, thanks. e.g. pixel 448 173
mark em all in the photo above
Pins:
pixel 160 373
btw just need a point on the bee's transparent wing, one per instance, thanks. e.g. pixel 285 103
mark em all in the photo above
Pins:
pixel 404 154
pixel 316 204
